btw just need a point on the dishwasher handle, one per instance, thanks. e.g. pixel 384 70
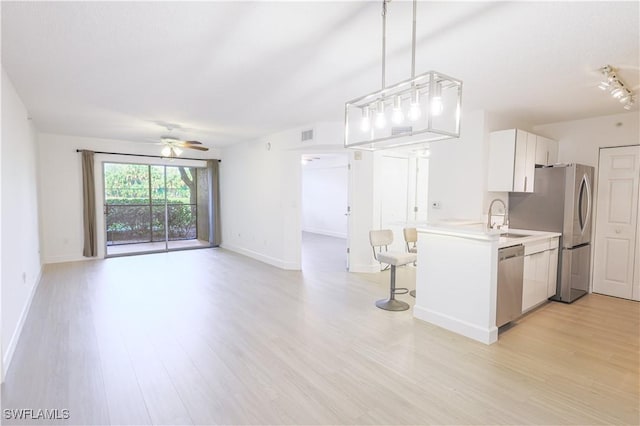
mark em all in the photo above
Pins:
pixel 510 252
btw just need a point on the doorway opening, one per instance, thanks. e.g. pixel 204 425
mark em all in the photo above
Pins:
pixel 403 194
pixel 154 208
pixel 324 211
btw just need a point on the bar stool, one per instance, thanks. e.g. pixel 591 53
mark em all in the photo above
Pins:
pixel 411 240
pixel 379 239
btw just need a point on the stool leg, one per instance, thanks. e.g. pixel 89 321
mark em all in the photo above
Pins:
pixel 391 304
pixel 392 296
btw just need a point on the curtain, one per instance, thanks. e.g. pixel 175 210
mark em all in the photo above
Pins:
pixel 215 233
pixel 89 206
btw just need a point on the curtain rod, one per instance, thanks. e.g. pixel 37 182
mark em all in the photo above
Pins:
pixel 150 156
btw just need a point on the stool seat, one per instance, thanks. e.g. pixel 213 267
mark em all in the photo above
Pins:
pixel 397 258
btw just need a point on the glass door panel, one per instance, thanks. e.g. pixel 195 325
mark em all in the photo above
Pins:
pixel 127 204
pixel 181 206
pixel 151 208
pixel 158 201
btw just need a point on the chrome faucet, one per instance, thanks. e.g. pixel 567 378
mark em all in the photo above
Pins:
pixel 505 220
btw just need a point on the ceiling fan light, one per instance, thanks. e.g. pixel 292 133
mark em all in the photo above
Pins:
pixel 177 151
pixel 166 151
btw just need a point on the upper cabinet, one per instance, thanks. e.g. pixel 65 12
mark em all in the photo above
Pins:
pixel 546 151
pixel 512 155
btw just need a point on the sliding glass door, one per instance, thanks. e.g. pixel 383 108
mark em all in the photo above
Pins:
pixel 153 208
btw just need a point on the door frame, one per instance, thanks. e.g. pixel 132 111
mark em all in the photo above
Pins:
pixel 596 187
pixel 338 151
pixel 99 160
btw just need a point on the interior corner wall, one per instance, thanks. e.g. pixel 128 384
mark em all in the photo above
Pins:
pixel 21 263
pixel 260 201
pixel 579 141
pixel 61 189
pixel 365 200
pixel 260 193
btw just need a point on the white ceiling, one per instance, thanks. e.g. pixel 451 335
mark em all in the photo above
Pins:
pixel 231 71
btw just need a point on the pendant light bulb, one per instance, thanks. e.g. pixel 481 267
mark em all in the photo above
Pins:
pixel 381 120
pixel 436 100
pixel 398 116
pixel 365 126
pixel 436 106
pixel 414 109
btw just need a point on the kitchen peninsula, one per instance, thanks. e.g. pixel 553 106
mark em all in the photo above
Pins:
pixel 457 275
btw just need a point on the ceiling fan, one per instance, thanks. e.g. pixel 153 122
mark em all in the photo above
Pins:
pixel 173 146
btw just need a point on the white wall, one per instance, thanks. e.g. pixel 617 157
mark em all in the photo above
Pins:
pixel 324 196
pixel 458 172
pixel 260 190
pixel 61 188
pixel 21 265
pixel 580 140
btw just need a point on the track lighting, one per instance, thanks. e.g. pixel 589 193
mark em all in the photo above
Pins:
pixel 616 87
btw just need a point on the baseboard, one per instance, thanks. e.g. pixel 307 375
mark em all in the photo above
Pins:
pixel 278 263
pixel 365 268
pixel 325 232
pixel 472 331
pixel 66 258
pixel 7 357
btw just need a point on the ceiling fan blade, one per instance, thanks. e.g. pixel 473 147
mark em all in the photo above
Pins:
pixel 199 148
pixel 192 143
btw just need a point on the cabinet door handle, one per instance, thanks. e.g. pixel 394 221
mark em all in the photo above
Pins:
pixel 547 158
pixel 525 184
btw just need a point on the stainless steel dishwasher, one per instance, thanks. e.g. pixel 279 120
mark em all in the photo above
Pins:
pixel 509 297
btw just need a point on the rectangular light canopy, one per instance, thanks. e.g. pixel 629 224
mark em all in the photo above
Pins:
pixel 423 109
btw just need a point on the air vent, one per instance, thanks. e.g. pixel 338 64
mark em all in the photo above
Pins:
pixel 307 135
pixel 401 130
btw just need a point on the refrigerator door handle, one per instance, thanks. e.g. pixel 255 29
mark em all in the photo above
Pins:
pixel 585 192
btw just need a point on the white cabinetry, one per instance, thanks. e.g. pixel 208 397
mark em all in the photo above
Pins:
pixel 546 151
pixel 512 155
pixel 553 269
pixel 539 276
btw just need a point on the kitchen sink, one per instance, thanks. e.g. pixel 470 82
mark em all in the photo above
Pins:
pixel 512 235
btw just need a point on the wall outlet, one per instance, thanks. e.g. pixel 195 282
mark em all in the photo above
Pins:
pixel 436 205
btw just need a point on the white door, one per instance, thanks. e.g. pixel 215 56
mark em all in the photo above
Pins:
pixel 394 200
pixel 616 239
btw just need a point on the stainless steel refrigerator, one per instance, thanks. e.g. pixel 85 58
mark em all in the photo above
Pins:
pixel 561 202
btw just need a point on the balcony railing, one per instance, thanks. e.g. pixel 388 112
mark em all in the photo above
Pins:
pixel 140 223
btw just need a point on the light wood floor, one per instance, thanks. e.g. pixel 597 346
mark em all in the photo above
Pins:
pixel 208 336
pixel 134 248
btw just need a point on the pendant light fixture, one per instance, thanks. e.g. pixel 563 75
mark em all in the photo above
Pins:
pixel 424 108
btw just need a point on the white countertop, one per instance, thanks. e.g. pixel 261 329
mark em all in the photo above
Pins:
pixel 479 231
